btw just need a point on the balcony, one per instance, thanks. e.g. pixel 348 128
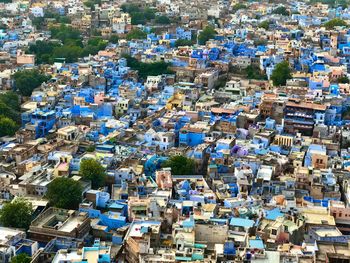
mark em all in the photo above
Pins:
pixel 299 121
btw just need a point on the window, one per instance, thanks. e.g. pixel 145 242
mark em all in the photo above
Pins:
pixel 274 232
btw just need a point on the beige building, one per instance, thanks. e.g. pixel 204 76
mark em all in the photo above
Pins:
pixel 55 222
pixel 67 133
pixel 23 59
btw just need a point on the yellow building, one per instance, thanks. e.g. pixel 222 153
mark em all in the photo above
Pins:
pixel 175 101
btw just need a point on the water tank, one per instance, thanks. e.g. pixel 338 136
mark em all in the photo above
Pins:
pixel 103 198
pixel 243 212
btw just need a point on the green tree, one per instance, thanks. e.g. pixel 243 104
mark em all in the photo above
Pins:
pixel 239 6
pixel 183 42
pixel 332 3
pixel 11 99
pixel 148 69
pixel 91 3
pixel 89 50
pixel 92 170
pixel 138 15
pixel 163 20
pixel 254 73
pixel 70 52
pixel 97 42
pixel 96 33
pixel 64 20
pixel 113 140
pixel 207 33
pixel 3 26
pixel 220 83
pixel 94 45
pixel 265 24
pixel 180 165
pixel 130 8
pixel 331 24
pixel 64 193
pixel 17 214
pixel 91 148
pixel 149 13
pixel 10 106
pixel 343 3
pixel 260 42
pixel 343 80
pixel 281 73
pixel 21 258
pixel 114 39
pixel 7 126
pixel 136 33
pixel 9 112
pixel 27 80
pixel 51 15
pixel 66 34
pixel 281 10
pixel 138 18
pixel 43 51
pixel 38 22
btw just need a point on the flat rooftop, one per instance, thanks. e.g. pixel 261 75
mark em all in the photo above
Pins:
pixel 8 233
pixel 59 220
pixel 135 230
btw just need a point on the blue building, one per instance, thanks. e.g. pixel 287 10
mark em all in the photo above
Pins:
pixel 192 135
pixel 40 122
pixel 314 149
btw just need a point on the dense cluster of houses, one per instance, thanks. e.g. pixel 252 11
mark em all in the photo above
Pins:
pixel 271 178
